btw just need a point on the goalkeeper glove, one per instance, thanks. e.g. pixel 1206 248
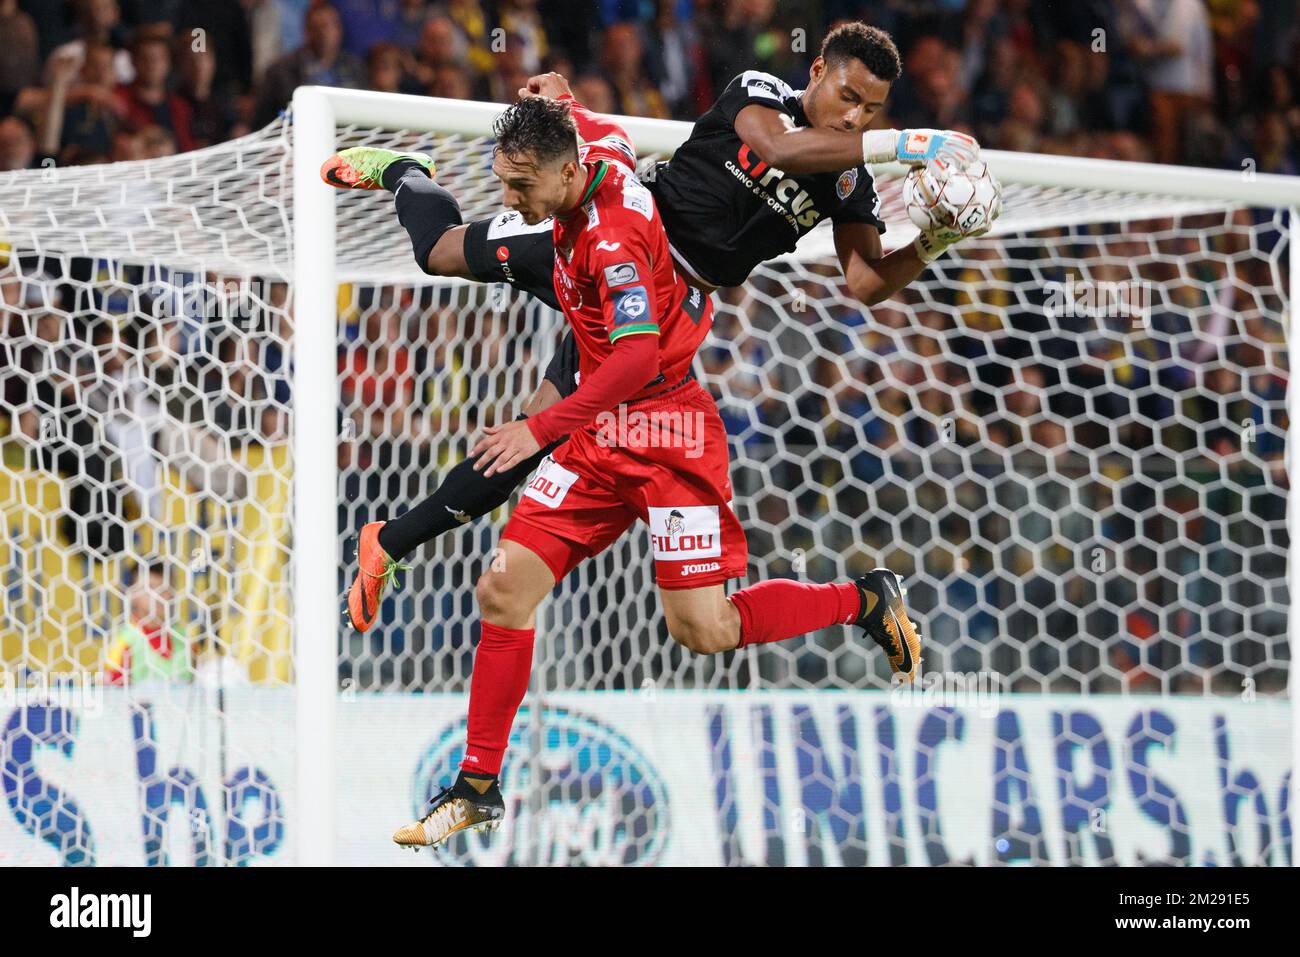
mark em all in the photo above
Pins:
pixel 930 244
pixel 916 147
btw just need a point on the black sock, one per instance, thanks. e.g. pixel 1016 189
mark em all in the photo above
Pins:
pixel 465 495
pixel 425 209
pixel 481 783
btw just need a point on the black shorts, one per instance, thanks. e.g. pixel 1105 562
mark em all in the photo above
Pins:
pixel 506 249
pixel 562 372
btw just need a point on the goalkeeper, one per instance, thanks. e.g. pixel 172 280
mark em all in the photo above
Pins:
pixel 761 168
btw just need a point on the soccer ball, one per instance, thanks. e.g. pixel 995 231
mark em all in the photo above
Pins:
pixel 945 198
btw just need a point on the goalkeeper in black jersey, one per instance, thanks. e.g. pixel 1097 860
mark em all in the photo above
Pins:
pixel 761 168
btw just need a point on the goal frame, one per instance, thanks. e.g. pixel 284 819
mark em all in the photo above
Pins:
pixel 317 113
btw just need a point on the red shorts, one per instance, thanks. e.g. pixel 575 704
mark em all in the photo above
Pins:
pixel 663 460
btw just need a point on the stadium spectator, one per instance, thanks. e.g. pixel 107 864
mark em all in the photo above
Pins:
pixel 621 58
pixel 212 118
pixel 443 49
pixel 594 92
pixel 149 101
pixel 20 66
pixel 384 72
pixel 1233 24
pixel 1272 146
pixel 224 29
pixel 508 75
pixel 275 28
pixel 380 378
pixel 452 83
pixel 151 646
pixel 473 23
pixel 519 18
pixel 367 23
pixel 17 144
pixel 675 61
pixel 321 60
pixel 1069 97
pixel 126 147
pixel 64 426
pixel 1024 121
pixel 1171 38
pixel 742 40
pixel 155 143
pixel 99 23
pixel 92 113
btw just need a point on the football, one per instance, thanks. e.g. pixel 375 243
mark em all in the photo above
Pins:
pixel 947 198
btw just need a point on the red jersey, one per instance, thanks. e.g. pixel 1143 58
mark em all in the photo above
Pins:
pixel 614 275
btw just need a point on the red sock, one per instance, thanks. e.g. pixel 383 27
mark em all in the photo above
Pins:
pixel 779 609
pixel 502 664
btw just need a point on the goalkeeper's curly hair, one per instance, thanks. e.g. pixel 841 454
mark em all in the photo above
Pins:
pixel 873 46
pixel 537 127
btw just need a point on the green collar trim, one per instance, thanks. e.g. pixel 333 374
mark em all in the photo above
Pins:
pixel 596 180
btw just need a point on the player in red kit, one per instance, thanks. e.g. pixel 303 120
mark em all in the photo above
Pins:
pixel 645 442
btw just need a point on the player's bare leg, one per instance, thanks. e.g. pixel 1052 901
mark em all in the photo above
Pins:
pixel 706 621
pixel 508 595
pixel 447 257
pixel 701 619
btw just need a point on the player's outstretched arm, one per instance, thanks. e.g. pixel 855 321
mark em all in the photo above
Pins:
pixel 949 216
pixel 872 276
pixel 803 149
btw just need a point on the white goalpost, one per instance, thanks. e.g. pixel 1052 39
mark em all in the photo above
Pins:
pixel 1069 437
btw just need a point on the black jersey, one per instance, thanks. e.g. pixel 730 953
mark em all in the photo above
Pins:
pixel 725 210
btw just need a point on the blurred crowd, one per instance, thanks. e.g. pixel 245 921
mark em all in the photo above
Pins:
pixel 1090 501
pixel 1202 82
pixel 111 380
pixel 977 441
pixel 1086 501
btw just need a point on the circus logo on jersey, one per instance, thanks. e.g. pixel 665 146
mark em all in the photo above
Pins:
pixel 685 532
pixel 783 194
pixel 601 802
pixel 846 183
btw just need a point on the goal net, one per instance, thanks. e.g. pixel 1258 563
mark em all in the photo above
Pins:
pixel 1067 436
